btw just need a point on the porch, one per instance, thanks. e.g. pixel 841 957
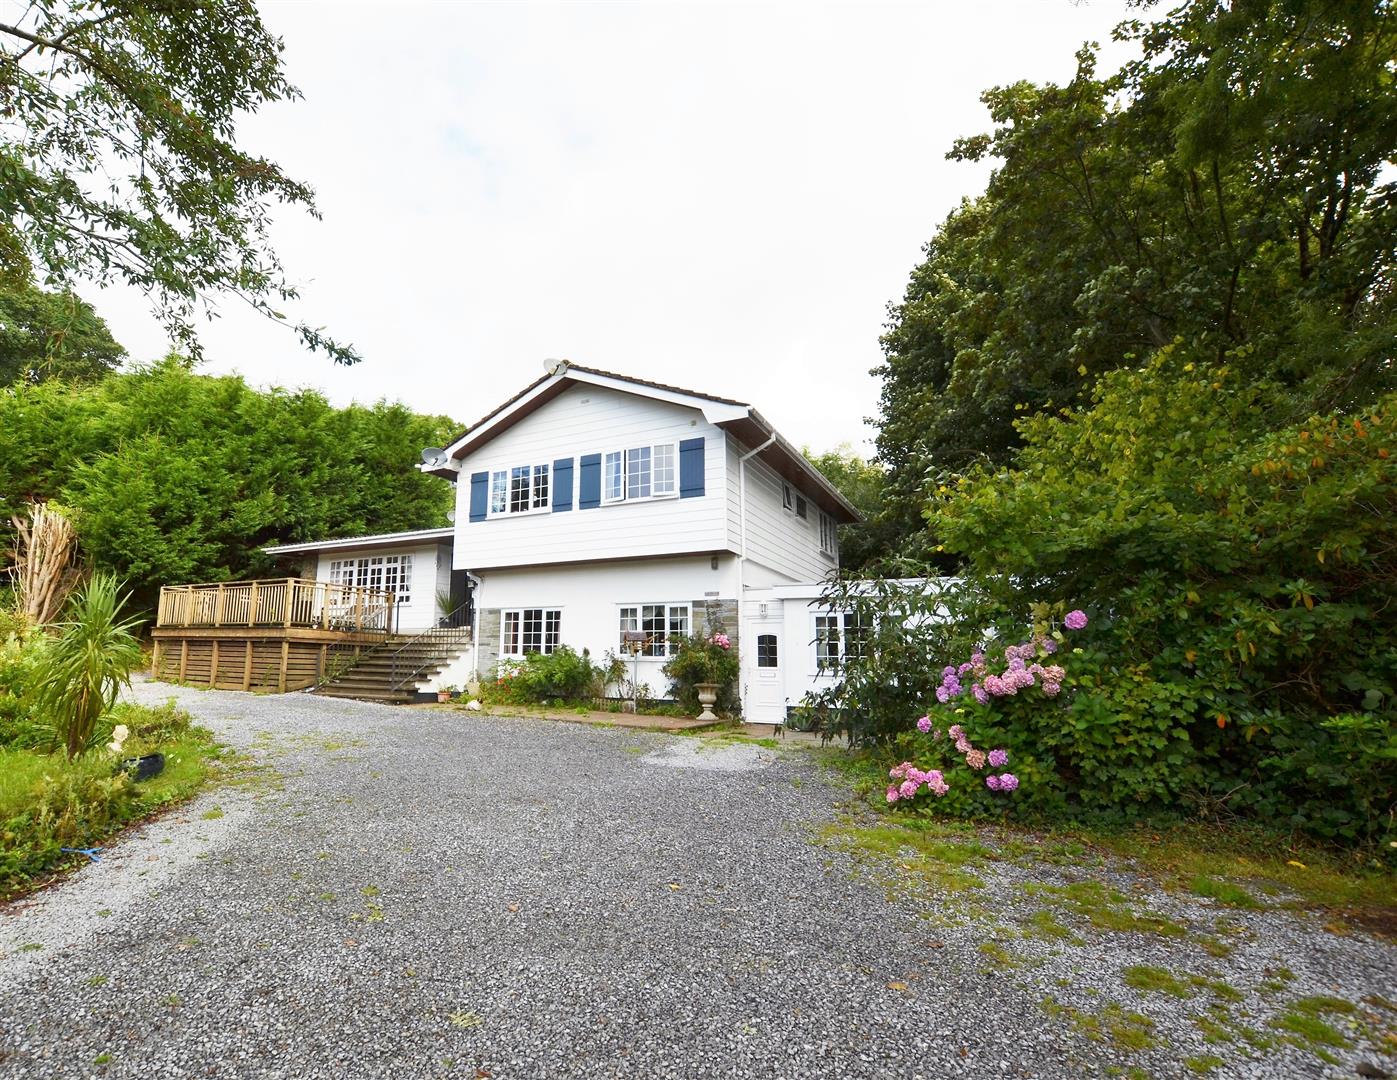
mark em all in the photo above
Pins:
pixel 276 634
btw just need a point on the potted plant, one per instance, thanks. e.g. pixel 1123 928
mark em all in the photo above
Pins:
pixel 701 669
pixel 446 693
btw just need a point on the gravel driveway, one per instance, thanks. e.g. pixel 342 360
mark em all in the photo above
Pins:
pixel 420 893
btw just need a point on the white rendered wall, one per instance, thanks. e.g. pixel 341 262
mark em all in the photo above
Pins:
pixel 593 420
pixel 420 612
pixel 590 597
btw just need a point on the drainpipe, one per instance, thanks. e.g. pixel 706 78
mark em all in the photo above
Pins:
pixel 475 621
pixel 742 554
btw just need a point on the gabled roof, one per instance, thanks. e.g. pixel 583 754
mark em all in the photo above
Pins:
pixel 737 417
pixel 378 540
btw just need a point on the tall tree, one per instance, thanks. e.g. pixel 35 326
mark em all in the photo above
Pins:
pixel 1228 188
pixel 47 335
pixel 861 546
pixel 119 160
pixel 174 476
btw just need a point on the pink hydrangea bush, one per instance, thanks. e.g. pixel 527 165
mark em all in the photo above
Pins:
pixel 1019 669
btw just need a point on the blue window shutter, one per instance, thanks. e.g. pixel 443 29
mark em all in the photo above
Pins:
pixel 562 484
pixel 690 468
pixel 480 494
pixel 589 483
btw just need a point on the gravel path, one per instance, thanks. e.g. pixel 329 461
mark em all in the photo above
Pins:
pixel 416 893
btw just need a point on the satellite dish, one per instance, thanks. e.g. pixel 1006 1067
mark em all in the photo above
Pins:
pixel 555 367
pixel 433 455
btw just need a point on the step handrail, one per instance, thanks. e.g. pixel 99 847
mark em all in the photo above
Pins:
pixel 400 663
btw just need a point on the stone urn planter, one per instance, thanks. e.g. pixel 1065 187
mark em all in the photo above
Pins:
pixel 708 697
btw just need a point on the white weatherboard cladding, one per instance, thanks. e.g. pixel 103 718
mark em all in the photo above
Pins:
pixel 420 612
pixel 592 420
pixel 590 598
pixel 788 547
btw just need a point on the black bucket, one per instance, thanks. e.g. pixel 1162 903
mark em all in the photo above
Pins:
pixel 143 768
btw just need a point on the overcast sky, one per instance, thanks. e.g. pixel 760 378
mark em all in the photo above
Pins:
pixel 724 197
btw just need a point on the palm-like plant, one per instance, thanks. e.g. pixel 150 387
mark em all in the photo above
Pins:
pixel 88 663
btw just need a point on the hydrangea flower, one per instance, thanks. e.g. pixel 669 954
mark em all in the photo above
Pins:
pixel 1075 620
pixel 722 641
pixel 1008 781
pixel 998 758
pixel 992 782
pixel 955 732
pixel 979 692
pixel 892 793
pixel 924 724
pixel 975 759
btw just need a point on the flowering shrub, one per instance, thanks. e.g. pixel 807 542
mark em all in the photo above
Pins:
pixel 562 675
pixel 1017 669
pixel 1235 553
pixel 704 658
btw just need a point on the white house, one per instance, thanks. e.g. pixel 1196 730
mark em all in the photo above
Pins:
pixel 590 505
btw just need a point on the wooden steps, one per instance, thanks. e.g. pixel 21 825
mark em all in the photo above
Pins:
pixel 401 659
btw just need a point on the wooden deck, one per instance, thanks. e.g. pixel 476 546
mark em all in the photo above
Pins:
pixel 275 635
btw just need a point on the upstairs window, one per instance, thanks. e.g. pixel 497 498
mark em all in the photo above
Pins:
pixel 613 478
pixel 829 535
pixel 639 473
pixel 801 510
pixel 519 490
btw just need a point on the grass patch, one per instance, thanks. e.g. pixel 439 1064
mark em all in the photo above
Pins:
pixel 1105 909
pixel 1310 1031
pixel 1203 1063
pixel 1224 892
pixel 1044 925
pixel 939 862
pixel 212 814
pixel 48 802
pixel 1156 980
pixel 1129 1031
pixel 1182 854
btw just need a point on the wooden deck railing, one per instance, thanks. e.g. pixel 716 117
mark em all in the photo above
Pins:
pixel 284 602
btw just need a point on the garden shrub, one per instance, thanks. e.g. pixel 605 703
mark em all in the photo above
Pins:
pixel 562 675
pixel 1238 568
pixel 704 658
pixel 48 802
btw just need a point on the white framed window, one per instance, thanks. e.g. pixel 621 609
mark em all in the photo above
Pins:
pixel 613 477
pixel 829 535
pixel 787 499
pixel 639 473
pixel 540 487
pixel 827 643
pixel 840 636
pixel 802 510
pixel 664 475
pixel 391 573
pixel 520 489
pixel 638 464
pixel 659 622
pixel 530 630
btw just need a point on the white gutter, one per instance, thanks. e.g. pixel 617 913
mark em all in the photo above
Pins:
pixel 742 554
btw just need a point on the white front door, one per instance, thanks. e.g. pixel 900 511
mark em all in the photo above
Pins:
pixel 766 689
